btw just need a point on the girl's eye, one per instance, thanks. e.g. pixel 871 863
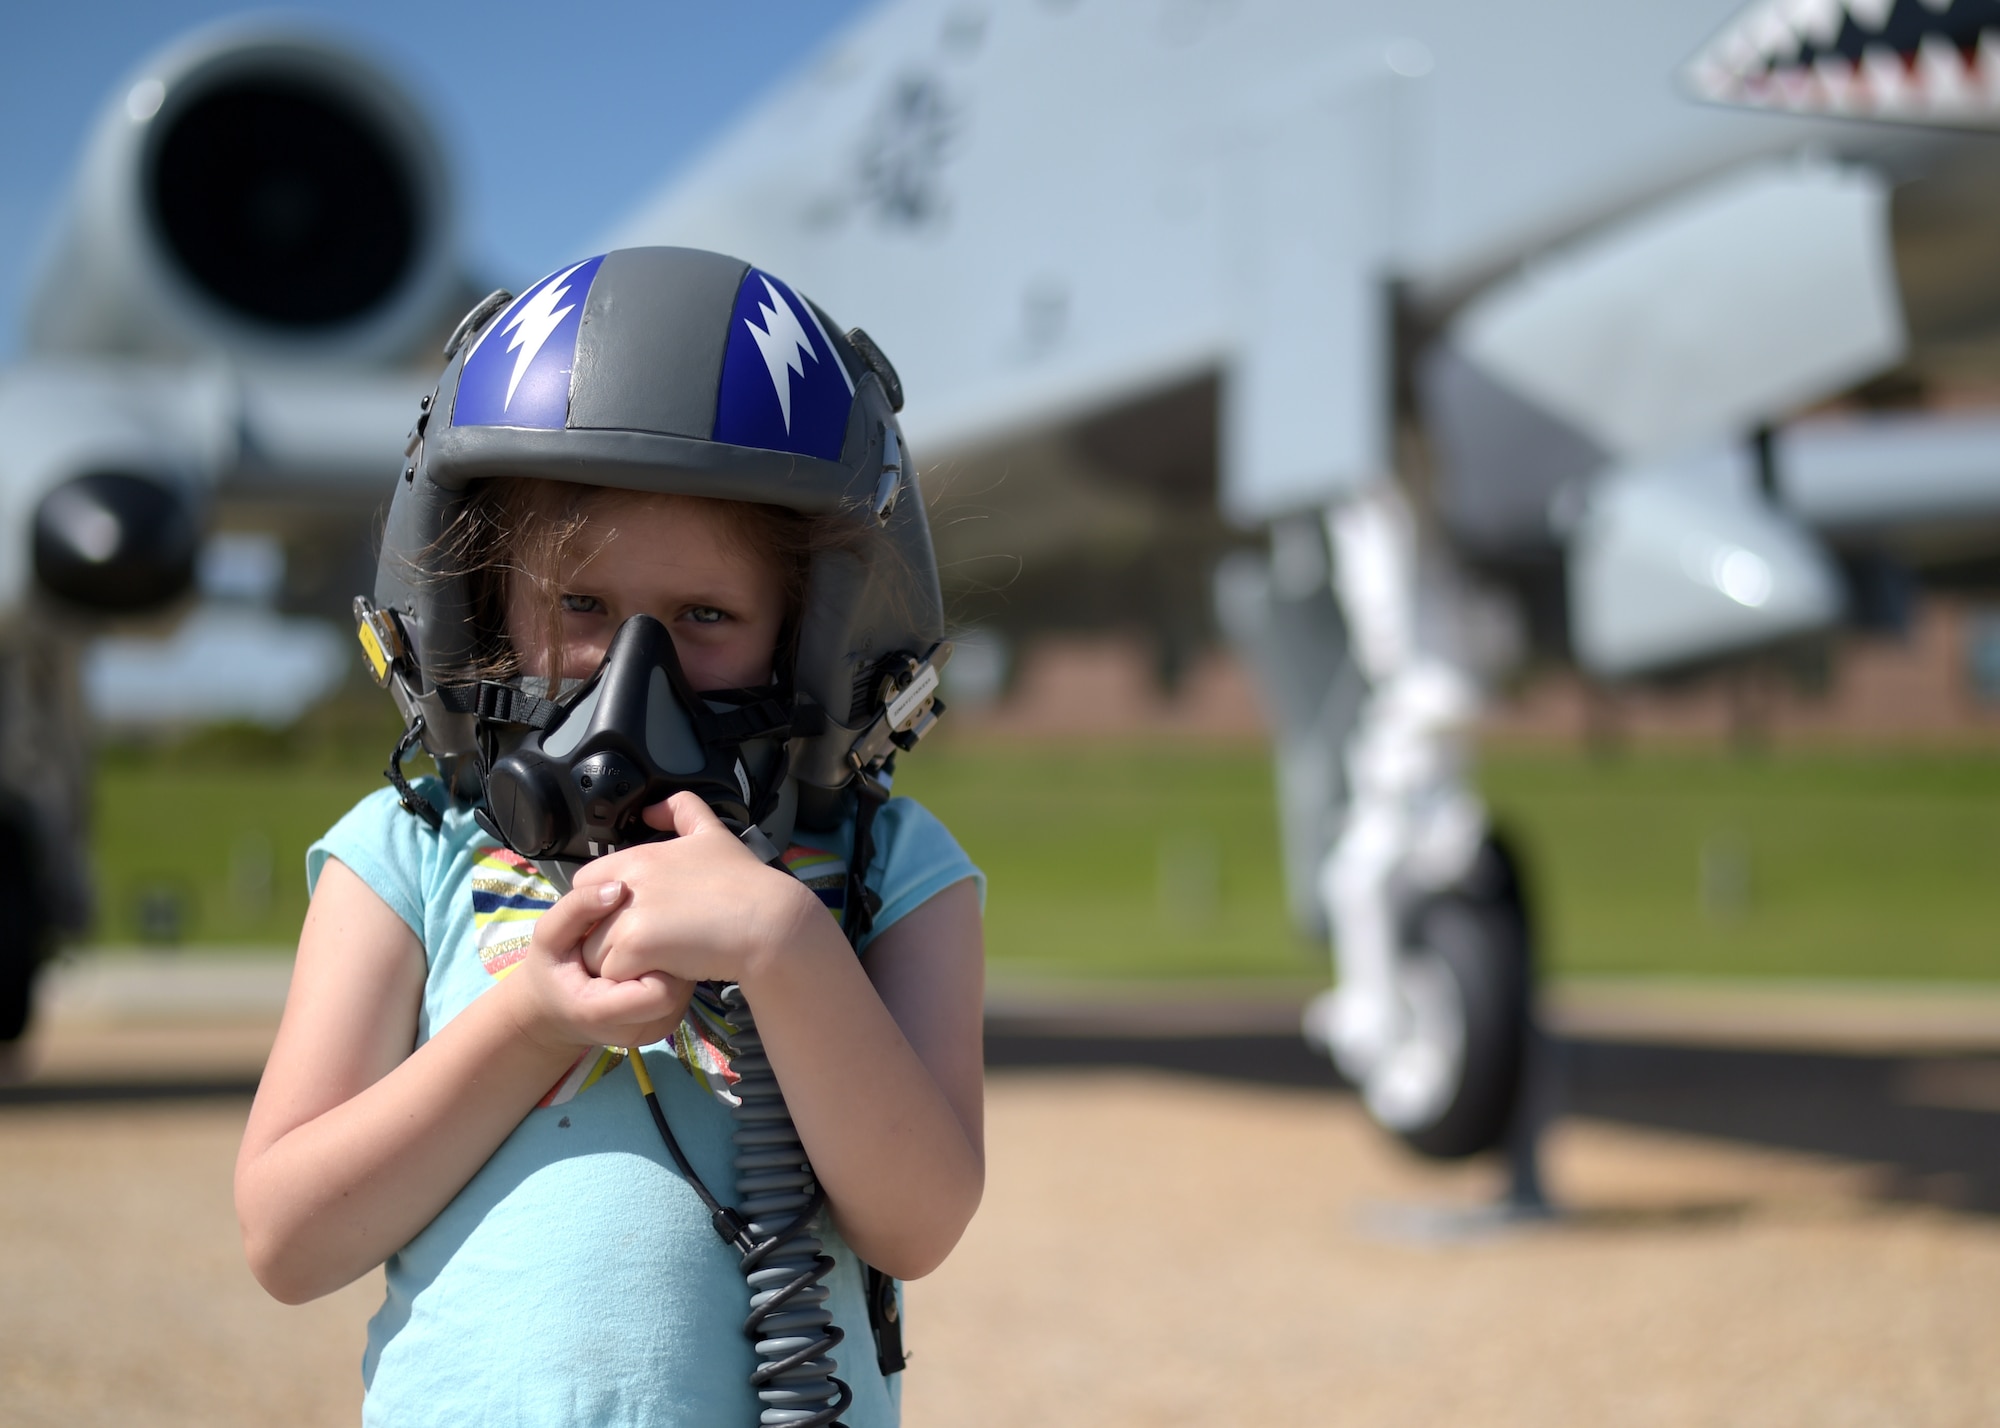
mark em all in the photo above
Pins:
pixel 705 615
pixel 582 604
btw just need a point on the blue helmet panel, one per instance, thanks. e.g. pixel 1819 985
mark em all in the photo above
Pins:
pixel 783 387
pixel 518 373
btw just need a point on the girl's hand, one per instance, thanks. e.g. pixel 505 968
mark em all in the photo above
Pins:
pixel 697 906
pixel 561 1002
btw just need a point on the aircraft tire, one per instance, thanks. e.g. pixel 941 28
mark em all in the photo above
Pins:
pixel 1467 981
pixel 24 933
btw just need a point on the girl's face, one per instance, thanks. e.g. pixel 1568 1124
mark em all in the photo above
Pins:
pixel 673 559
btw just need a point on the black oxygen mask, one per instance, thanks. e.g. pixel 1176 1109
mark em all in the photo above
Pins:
pixel 631 735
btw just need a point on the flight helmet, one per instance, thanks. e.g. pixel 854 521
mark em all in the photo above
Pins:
pixel 682 371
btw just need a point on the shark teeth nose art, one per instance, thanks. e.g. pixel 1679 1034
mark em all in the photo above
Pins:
pixel 1921 61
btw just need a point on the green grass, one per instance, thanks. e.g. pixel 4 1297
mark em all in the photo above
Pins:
pixel 1703 863
pixel 1162 860
pixel 1159 862
pixel 1818 864
pixel 211 832
pixel 228 847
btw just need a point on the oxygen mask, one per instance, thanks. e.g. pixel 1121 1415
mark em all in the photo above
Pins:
pixel 632 734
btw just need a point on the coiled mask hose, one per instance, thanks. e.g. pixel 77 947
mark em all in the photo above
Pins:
pixel 784 1264
pixel 777 1193
pixel 778 1197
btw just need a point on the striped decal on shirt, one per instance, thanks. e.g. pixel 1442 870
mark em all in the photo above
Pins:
pixel 509 895
pixel 822 871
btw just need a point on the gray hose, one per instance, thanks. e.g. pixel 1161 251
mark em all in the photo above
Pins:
pixel 777 1193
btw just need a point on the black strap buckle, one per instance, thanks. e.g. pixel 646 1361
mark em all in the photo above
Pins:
pixel 885 1321
pixel 412 801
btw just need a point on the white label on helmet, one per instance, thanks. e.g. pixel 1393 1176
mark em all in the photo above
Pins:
pixel 905 707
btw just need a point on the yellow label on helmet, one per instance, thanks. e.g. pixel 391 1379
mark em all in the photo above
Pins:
pixel 378 658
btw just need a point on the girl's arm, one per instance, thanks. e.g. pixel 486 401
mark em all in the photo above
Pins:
pixel 881 1066
pixel 355 1142
pixel 889 1076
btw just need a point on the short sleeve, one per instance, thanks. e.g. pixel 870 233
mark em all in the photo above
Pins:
pixel 916 858
pixel 386 848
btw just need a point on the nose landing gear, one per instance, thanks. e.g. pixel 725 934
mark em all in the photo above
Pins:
pixel 1451 1084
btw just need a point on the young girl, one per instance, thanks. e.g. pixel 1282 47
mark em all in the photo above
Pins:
pixel 440 1097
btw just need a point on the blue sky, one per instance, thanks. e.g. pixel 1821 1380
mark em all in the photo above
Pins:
pixel 557 119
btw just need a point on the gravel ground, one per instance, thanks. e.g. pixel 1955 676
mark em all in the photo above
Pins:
pixel 127 1300
pixel 1163 1251
pixel 1154 1249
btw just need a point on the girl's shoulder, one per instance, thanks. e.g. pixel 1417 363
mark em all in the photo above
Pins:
pixel 916 858
pixel 391 849
pixel 905 821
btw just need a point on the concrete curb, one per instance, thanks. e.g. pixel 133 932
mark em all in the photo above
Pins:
pixel 118 986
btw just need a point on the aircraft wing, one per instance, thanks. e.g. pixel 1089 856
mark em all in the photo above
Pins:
pixel 1043 210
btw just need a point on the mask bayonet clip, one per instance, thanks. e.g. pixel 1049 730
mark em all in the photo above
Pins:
pixel 910 707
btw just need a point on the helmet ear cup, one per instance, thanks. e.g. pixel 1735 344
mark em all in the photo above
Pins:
pixel 867 604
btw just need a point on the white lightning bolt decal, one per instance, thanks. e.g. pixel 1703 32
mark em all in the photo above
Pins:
pixel 783 342
pixel 531 326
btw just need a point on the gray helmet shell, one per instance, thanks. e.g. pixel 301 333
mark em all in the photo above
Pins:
pixel 682 371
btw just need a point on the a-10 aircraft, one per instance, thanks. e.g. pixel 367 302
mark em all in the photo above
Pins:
pixel 1497 328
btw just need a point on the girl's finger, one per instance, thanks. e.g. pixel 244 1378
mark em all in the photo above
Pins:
pixel 692 816
pixel 654 1002
pixel 592 947
pixel 682 813
pixel 576 912
pixel 636 999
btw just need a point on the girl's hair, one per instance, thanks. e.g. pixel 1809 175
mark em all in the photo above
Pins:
pixel 516 530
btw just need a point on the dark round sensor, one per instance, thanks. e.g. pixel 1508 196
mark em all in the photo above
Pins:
pixel 116 543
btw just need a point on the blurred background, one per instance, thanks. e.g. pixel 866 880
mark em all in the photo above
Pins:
pixel 1094 676
pixel 1122 650
pixel 1755 808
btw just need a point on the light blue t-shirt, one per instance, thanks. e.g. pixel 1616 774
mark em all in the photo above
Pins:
pixel 575 1280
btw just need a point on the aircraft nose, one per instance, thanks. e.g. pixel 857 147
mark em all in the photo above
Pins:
pixel 115 542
